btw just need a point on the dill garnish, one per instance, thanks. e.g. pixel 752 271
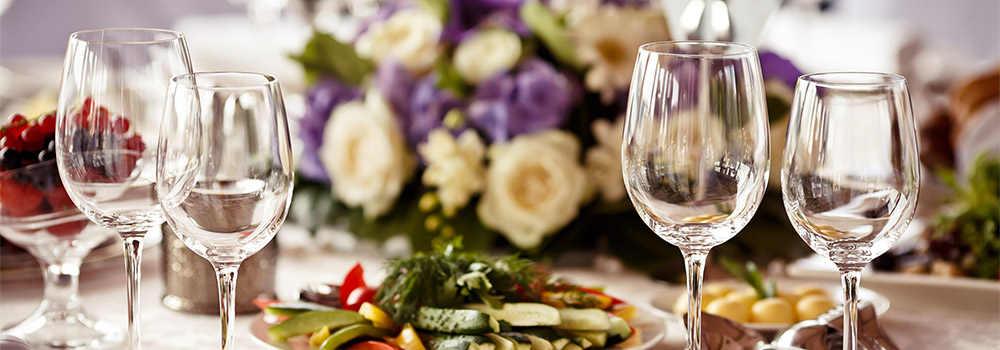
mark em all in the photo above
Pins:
pixel 448 277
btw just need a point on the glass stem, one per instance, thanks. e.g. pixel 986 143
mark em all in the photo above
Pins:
pixel 694 266
pixel 133 268
pixel 851 279
pixel 62 284
pixel 227 299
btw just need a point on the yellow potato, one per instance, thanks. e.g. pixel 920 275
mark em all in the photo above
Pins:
pixel 811 306
pixel 718 288
pixel 681 305
pixel 733 309
pixel 745 300
pixel 808 289
pixel 747 295
pixel 772 310
pixel 791 298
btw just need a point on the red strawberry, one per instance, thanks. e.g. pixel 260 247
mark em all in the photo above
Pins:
pixel 19 199
pixel 58 199
pixel 68 228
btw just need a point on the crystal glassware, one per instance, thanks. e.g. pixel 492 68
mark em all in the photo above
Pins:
pixel 850 174
pixel 695 151
pixel 224 170
pixel 110 99
pixel 36 214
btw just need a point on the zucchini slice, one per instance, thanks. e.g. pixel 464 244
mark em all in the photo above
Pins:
pixel 458 321
pixel 522 314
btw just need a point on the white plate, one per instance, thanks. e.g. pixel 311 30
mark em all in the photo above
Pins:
pixel 665 302
pixel 651 327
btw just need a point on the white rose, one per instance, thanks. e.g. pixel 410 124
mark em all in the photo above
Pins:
pixel 487 53
pixel 409 36
pixel 534 186
pixel 365 154
pixel 455 167
pixel 604 160
pixel 607 41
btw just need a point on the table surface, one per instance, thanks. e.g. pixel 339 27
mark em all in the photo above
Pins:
pixel 924 315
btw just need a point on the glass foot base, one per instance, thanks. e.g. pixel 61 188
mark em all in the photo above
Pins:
pixel 62 331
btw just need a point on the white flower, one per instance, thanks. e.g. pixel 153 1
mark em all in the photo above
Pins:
pixel 455 167
pixel 608 41
pixel 409 36
pixel 604 160
pixel 487 53
pixel 534 186
pixel 365 154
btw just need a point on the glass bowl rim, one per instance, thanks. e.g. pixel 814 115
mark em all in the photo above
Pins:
pixel 189 80
pixel 742 49
pixel 172 35
pixel 820 79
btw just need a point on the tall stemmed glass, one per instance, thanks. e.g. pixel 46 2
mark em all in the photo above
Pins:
pixel 695 150
pixel 224 171
pixel 850 175
pixel 110 99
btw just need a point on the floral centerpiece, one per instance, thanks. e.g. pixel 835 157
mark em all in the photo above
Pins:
pixel 497 120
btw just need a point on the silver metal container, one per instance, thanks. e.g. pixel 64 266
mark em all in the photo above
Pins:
pixel 190 283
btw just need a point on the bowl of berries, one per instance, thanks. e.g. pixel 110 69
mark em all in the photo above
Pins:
pixel 34 207
pixel 38 215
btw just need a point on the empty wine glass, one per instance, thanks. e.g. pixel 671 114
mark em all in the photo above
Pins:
pixel 36 214
pixel 850 175
pixel 110 99
pixel 695 149
pixel 224 170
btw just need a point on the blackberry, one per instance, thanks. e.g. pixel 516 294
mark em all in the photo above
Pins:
pixel 9 159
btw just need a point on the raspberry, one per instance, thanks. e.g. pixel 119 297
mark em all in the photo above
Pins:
pixel 47 123
pixel 101 121
pixel 32 138
pixel 80 120
pixel 15 119
pixel 11 141
pixel 88 105
pixel 135 143
pixel 119 125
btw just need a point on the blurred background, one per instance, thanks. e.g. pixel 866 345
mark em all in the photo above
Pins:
pixel 948 50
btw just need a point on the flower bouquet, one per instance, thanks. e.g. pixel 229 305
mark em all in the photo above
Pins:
pixel 497 120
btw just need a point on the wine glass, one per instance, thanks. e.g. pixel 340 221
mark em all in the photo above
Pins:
pixel 849 176
pixel 113 85
pixel 224 170
pixel 36 214
pixel 695 149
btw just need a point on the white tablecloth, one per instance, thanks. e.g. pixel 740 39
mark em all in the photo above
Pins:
pixel 922 315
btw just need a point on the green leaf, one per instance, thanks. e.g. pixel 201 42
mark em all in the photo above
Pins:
pixel 553 34
pixel 973 213
pixel 325 56
pixel 439 8
pixel 449 79
pixel 751 276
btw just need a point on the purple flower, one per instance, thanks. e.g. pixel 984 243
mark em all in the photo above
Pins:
pixel 627 3
pixel 419 105
pixel 532 98
pixel 428 106
pixel 396 84
pixel 467 16
pixel 773 66
pixel 320 102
